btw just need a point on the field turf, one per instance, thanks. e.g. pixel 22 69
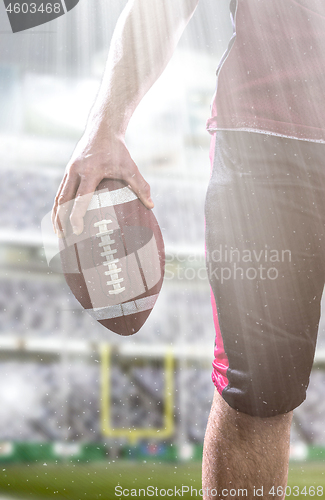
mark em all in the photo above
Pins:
pixel 98 481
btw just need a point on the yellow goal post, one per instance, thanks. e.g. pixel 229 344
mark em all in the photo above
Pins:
pixel 134 434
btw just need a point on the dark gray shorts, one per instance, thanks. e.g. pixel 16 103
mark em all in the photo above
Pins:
pixel 265 220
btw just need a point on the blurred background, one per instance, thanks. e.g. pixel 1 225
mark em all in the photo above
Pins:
pixel 71 391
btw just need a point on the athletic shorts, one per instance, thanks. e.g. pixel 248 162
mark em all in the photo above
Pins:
pixel 265 245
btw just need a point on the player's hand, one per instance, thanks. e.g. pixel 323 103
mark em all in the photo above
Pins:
pixel 93 160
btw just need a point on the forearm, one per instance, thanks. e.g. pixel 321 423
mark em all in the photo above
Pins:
pixel 144 40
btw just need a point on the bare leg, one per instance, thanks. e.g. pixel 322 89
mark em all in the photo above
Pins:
pixel 243 452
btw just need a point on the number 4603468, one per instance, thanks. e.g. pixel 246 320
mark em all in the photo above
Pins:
pixel 295 491
pixel 32 8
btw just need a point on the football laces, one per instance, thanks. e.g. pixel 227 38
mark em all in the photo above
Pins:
pixel 111 262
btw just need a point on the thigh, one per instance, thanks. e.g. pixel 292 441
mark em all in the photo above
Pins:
pixel 265 268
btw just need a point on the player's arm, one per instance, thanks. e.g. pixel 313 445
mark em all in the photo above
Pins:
pixel 143 42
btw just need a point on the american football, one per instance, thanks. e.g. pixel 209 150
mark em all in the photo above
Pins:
pixel 115 267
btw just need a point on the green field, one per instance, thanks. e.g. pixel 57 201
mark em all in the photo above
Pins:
pixel 98 480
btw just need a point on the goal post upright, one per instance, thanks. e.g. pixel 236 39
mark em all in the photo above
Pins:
pixel 134 434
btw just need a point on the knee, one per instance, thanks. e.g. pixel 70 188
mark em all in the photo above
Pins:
pixel 236 426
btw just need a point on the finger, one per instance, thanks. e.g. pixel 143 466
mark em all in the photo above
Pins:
pixel 65 203
pixel 56 202
pixel 84 195
pixel 141 188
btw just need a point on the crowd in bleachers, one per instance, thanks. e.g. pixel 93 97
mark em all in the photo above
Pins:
pixel 27 196
pixel 60 401
pixel 49 401
pixel 43 308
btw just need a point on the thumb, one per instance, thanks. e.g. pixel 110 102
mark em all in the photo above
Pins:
pixel 141 188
